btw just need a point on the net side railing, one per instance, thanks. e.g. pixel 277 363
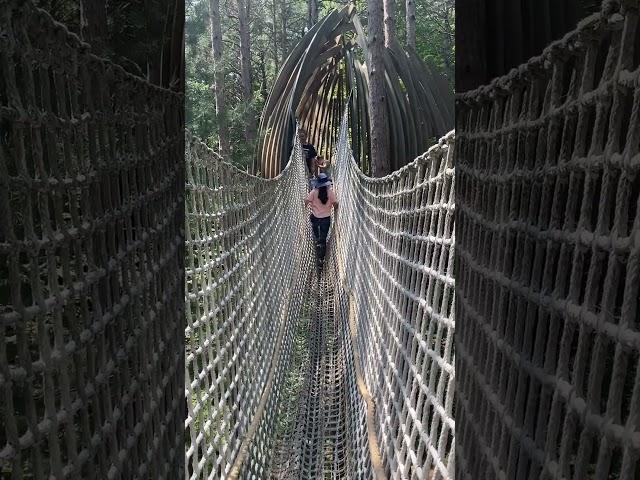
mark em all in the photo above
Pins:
pixel 547 262
pixel 91 219
pixel 394 249
pixel 248 268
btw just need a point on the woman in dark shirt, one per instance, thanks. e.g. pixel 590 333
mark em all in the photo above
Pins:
pixel 310 153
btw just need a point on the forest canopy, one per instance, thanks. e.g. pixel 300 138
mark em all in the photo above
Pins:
pixel 266 31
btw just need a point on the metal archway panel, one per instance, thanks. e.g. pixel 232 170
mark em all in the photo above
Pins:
pixel 323 72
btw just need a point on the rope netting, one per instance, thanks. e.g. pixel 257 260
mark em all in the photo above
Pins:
pixel 343 373
pixel 91 213
pixel 248 268
pixel 327 437
pixel 395 238
pixel 548 342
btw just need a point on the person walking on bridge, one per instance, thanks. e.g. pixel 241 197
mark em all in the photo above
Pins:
pixel 310 153
pixel 321 200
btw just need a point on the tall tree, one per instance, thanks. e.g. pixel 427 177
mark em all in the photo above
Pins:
pixel 443 26
pixel 285 13
pixel 274 34
pixel 377 100
pixel 218 80
pixel 245 66
pixel 389 21
pixel 271 40
pixel 264 92
pixel 313 12
pixel 411 24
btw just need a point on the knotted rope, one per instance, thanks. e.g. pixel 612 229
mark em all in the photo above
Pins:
pixel 91 272
pixel 376 383
pixel 548 256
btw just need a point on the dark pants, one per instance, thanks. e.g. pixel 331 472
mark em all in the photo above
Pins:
pixel 320 228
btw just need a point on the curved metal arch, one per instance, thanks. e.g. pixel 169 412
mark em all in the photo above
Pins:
pixel 323 73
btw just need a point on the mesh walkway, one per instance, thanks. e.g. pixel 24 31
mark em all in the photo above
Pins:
pixel 375 393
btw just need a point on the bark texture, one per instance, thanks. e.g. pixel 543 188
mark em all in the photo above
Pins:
pixel 377 101
pixel 218 82
pixel 389 21
pixel 411 24
pixel 313 12
pixel 245 67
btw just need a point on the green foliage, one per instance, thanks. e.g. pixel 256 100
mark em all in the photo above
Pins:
pixel 200 106
pixel 435 33
pixel 199 102
pixel 242 112
pixel 276 27
pixel 198 111
pixel 293 385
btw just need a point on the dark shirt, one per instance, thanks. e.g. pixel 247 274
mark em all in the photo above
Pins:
pixel 309 151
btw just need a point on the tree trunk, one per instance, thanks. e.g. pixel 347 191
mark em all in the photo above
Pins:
pixel 218 81
pixel 284 17
pixel 448 40
pixel 377 100
pixel 245 48
pixel 93 25
pixel 313 12
pixel 389 21
pixel 263 78
pixel 154 57
pixel 411 24
pixel 245 67
pixel 274 32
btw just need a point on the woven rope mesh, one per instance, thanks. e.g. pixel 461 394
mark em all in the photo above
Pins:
pixel 547 262
pixel 91 213
pixel 285 364
pixel 92 208
pixel 395 258
pixel 248 268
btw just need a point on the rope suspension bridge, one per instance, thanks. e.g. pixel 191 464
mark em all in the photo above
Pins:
pixel 379 316
pixel 346 372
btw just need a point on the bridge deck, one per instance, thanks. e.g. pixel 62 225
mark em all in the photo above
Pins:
pixel 317 444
